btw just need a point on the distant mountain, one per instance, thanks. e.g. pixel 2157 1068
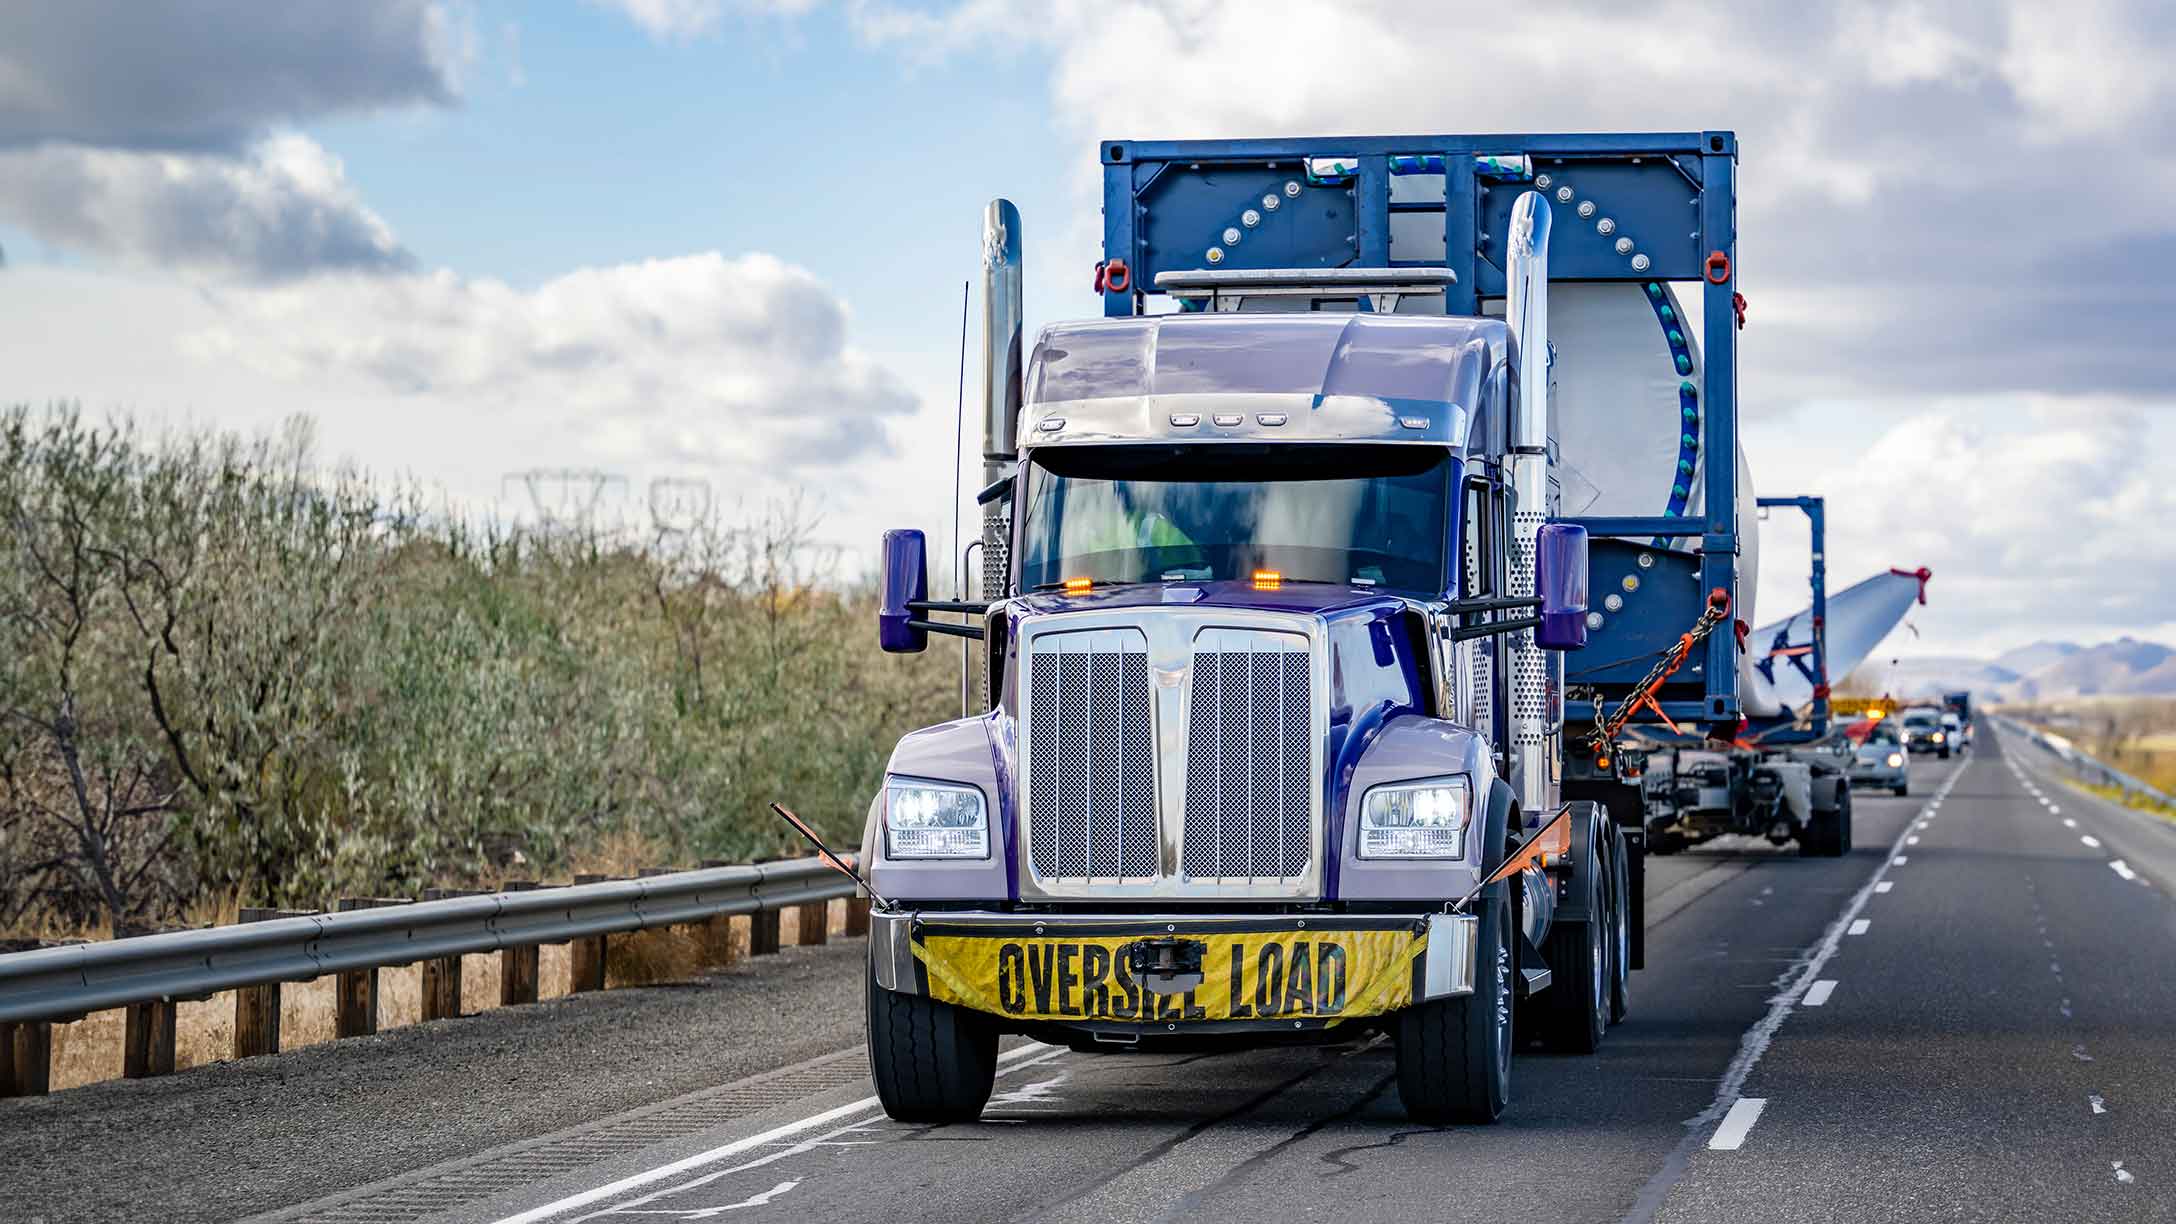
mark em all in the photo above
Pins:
pixel 2025 660
pixel 2043 671
pixel 2125 667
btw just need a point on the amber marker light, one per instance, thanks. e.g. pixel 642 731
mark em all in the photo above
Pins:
pixel 1078 586
pixel 1268 580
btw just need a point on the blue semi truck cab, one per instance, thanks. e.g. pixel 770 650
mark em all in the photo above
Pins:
pixel 1284 551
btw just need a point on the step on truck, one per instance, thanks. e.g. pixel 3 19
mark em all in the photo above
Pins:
pixel 1282 557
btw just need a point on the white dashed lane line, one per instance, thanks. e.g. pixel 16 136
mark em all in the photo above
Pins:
pixel 2123 869
pixel 1859 927
pixel 1818 993
pixel 1738 1123
pixel 1885 886
pixel 2091 840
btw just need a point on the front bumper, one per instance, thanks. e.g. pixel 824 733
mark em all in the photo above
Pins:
pixel 1231 973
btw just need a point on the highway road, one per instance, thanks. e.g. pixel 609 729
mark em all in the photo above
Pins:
pixel 1966 1018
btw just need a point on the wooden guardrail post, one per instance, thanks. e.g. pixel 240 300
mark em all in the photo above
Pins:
pixel 355 991
pixel 857 915
pixel 517 966
pixel 257 1008
pixel 441 978
pixel 147 1042
pixel 812 923
pixel 716 933
pixel 585 958
pixel 763 932
pixel 26 1057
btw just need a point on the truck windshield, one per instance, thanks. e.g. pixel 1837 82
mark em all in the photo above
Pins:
pixel 1368 515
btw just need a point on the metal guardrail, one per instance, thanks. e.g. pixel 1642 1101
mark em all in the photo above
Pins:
pixel 66 982
pixel 2089 768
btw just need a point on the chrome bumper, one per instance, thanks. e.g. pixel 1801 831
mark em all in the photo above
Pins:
pixel 1447 969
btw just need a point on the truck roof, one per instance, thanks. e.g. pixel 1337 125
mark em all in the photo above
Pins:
pixel 1298 377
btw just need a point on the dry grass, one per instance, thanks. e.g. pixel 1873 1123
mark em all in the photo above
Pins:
pixel 89 1050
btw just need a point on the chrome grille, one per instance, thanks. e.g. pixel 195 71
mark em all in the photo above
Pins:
pixel 1092 765
pixel 1248 750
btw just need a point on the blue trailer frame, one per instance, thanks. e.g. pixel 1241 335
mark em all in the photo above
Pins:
pixel 1783 731
pixel 1160 198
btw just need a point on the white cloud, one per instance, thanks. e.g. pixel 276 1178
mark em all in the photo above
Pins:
pixel 284 208
pixel 740 364
pixel 682 20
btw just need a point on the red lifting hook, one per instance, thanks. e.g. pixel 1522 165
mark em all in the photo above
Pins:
pixel 1718 268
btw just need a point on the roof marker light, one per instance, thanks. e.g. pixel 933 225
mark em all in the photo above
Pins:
pixel 1185 420
pixel 1078 586
pixel 1269 418
pixel 1250 218
pixel 1229 419
pixel 1267 580
pixel 1051 424
pixel 1413 422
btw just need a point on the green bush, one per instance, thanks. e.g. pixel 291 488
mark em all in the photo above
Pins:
pixel 223 672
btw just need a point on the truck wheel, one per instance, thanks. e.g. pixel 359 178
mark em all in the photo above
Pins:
pixel 932 1061
pixel 1575 1009
pixel 1843 819
pixel 1454 1055
pixel 1902 789
pixel 1620 951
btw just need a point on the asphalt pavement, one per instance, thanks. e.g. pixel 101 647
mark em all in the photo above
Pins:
pixel 1966 1018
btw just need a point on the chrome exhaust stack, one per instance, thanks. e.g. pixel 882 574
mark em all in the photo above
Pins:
pixel 1003 309
pixel 1527 310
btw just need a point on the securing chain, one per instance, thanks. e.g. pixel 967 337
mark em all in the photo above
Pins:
pixel 1643 693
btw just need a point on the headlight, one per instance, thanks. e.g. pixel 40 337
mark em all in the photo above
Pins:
pixel 1896 760
pixel 931 820
pixel 1938 737
pixel 1413 820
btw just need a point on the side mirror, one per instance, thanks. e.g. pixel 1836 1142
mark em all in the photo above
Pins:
pixel 906 580
pixel 1560 581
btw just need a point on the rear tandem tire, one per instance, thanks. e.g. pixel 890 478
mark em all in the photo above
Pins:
pixel 1454 1055
pixel 932 1062
pixel 1620 951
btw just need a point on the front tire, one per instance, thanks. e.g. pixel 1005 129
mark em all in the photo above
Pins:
pixel 1902 789
pixel 1454 1055
pixel 932 1062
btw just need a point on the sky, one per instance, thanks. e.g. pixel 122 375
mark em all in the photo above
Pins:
pixel 720 244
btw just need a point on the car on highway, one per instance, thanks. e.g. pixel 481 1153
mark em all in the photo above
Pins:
pixel 1880 760
pixel 1955 732
pixel 1923 732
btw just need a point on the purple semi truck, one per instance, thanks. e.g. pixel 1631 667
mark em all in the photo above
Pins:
pixel 1268 740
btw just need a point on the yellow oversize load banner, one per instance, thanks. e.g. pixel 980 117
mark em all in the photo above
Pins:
pixel 1325 975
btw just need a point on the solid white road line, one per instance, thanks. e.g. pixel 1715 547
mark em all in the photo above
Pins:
pixel 2123 869
pixel 1820 991
pixel 1859 927
pixel 1011 1060
pixel 1730 1136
